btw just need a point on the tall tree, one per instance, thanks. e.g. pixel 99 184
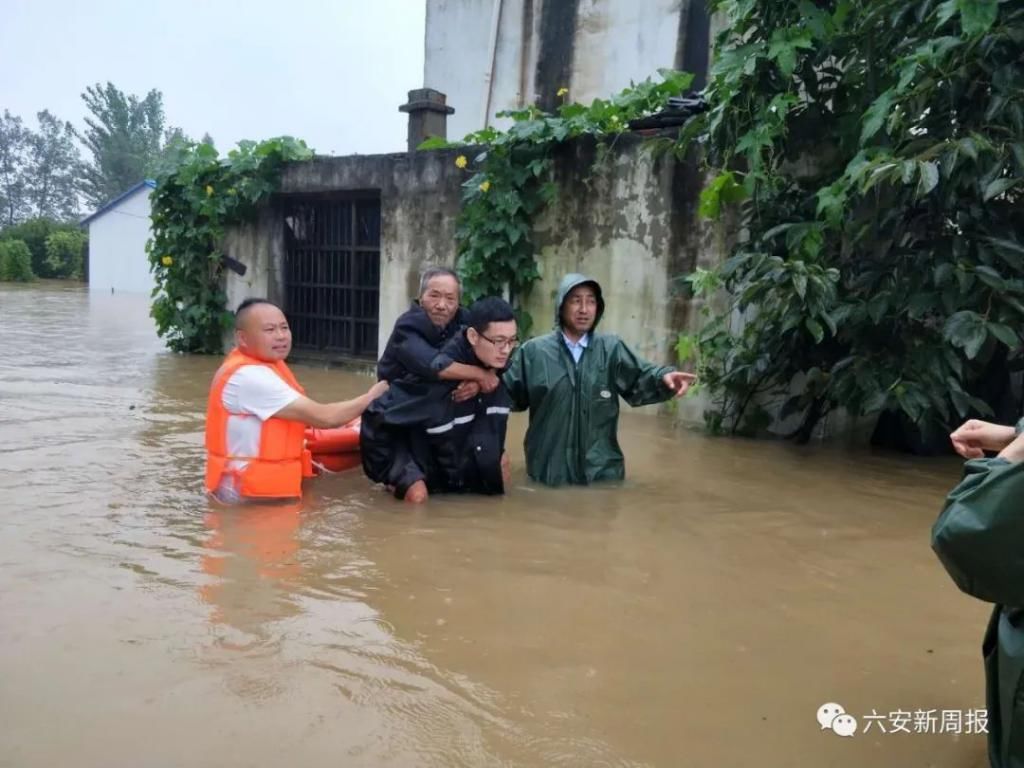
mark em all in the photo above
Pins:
pixel 125 137
pixel 51 172
pixel 176 148
pixel 14 203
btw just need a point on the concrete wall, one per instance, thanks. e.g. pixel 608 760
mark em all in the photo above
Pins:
pixel 420 199
pixel 630 223
pixel 117 247
pixel 593 47
pixel 633 226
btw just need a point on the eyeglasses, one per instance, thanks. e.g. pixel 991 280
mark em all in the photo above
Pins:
pixel 502 343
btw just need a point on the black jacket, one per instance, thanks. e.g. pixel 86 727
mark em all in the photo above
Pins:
pixel 415 431
pixel 413 344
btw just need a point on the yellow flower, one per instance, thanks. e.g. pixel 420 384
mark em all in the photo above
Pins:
pixel 209 190
pixel 461 162
pixel 167 261
pixel 563 91
pixel 485 186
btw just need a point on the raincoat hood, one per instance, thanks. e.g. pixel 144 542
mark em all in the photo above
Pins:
pixel 571 281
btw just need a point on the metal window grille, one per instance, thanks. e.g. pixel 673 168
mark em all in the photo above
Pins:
pixel 332 274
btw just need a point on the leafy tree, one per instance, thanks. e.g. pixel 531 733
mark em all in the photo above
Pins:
pixel 34 233
pixel 14 202
pixel 64 252
pixel 124 136
pixel 51 170
pixel 15 262
pixel 872 152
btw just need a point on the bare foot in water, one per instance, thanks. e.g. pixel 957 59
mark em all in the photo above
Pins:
pixel 417 493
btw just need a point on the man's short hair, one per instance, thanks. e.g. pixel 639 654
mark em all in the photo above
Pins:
pixel 245 305
pixel 489 310
pixel 431 272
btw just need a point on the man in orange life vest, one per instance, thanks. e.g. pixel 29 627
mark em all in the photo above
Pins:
pixel 257 413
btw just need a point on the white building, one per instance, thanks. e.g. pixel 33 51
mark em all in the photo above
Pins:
pixel 117 243
pixel 493 55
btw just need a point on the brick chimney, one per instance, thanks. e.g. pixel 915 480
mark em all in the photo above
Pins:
pixel 428 116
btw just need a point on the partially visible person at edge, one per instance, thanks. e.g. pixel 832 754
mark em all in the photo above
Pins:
pixel 257 413
pixel 571 380
pixel 979 537
pixel 418 440
pixel 422 330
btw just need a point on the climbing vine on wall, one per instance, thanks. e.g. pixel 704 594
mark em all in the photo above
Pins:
pixel 509 182
pixel 191 206
pixel 872 152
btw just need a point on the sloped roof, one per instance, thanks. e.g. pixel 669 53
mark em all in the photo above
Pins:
pixel 127 193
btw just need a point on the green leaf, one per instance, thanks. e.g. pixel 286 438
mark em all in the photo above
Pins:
pixel 929 178
pixel 815 328
pixel 841 13
pixel 722 189
pixel 990 277
pixel 961 402
pixel 783 48
pixel 997 187
pixel 976 16
pixel 942 274
pixel 1010 251
pixel 877 307
pixel 827 319
pixel 875 403
pixel 1005 334
pixel 1018 154
pixel 434 142
pixel 974 342
pixel 946 12
pixel 907 76
pixel 967 330
pixel 876 115
pixel 800 285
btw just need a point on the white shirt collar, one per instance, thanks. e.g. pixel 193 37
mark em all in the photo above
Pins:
pixel 583 342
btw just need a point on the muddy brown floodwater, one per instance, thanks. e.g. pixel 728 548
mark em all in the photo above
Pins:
pixel 696 616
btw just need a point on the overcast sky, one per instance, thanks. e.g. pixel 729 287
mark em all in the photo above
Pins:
pixel 332 72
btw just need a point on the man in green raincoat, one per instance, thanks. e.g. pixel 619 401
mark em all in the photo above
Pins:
pixel 571 380
pixel 979 537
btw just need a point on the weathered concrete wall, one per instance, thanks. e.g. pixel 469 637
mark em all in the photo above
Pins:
pixel 420 200
pixel 630 222
pixel 593 47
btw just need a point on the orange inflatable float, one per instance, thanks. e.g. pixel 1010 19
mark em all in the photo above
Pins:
pixel 334 450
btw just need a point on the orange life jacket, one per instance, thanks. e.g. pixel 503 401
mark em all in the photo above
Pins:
pixel 277 472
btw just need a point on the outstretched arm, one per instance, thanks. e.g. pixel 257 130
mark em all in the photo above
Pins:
pixel 326 415
pixel 641 382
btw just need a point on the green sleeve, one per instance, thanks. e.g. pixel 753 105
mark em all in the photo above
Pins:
pixel 514 379
pixel 637 380
pixel 979 535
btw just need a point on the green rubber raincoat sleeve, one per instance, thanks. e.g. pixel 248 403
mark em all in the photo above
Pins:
pixel 514 379
pixel 637 380
pixel 979 535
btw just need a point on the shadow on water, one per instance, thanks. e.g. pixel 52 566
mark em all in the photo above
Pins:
pixel 698 614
